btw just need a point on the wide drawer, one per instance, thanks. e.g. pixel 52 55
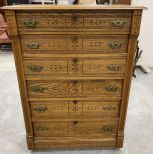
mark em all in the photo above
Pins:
pixel 74 43
pixel 75 128
pixel 74 88
pixel 69 109
pixel 74 66
pixel 105 22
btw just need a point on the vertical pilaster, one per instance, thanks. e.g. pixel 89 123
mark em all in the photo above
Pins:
pixel 13 33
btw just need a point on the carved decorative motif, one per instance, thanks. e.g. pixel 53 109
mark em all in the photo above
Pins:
pixel 75 107
pixel 55 21
pixel 75 128
pixel 75 43
pixel 95 22
pixel 54 44
pixel 75 21
pixel 96 43
pixel 52 89
pixel 75 87
pixel 94 67
pixel 11 21
pixel 56 67
pixel 60 107
pixel 75 66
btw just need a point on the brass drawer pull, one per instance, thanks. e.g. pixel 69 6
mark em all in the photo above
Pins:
pixel 109 108
pixel 30 23
pixel 41 109
pixel 38 89
pixel 36 68
pixel 111 88
pixel 117 23
pixel 107 128
pixel 33 45
pixel 114 67
pixel 114 45
pixel 42 128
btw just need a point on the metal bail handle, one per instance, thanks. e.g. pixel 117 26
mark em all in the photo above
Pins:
pixel 111 88
pixel 114 45
pixel 114 67
pixel 41 109
pixel 36 68
pixel 118 23
pixel 30 23
pixel 33 45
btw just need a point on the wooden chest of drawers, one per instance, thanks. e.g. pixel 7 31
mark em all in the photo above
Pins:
pixel 74 67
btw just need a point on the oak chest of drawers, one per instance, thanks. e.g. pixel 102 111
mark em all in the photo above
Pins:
pixel 74 67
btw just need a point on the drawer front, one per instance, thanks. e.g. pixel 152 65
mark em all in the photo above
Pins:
pixel 75 128
pixel 74 43
pixel 70 109
pixel 117 22
pixel 74 66
pixel 74 88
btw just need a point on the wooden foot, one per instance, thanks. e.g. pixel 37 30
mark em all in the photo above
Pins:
pixel 30 142
pixel 120 139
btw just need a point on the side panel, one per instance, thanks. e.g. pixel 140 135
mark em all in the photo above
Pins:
pixel 13 32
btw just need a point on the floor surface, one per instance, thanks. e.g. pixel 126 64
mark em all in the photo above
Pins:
pixel 139 124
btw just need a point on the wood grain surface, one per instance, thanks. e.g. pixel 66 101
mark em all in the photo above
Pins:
pixel 74 67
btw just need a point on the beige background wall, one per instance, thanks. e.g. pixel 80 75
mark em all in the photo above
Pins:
pixel 146 34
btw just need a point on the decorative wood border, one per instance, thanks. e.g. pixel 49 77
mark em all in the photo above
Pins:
pixel 11 21
pixel 128 75
pixel 13 32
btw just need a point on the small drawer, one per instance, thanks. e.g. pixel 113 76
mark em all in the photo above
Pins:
pixel 105 22
pixel 75 128
pixel 75 66
pixel 74 43
pixel 74 88
pixel 75 108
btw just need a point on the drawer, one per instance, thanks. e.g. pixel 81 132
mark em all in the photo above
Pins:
pixel 75 108
pixel 74 66
pixel 74 43
pixel 74 88
pixel 105 22
pixel 75 128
